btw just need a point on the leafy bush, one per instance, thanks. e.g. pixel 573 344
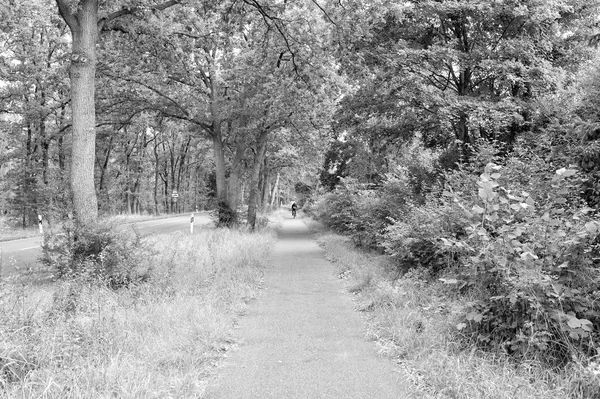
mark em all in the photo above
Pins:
pixel 337 209
pixel 532 256
pixel 96 254
pixel 412 240
pixel 517 239
pixel 362 212
pixel 224 216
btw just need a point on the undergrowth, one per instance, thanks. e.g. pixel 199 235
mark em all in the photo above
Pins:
pixel 510 235
pixel 155 338
pixel 413 319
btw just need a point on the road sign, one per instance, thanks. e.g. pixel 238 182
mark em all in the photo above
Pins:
pixel 175 194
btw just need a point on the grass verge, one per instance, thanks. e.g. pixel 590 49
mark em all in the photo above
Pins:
pixel 414 323
pixel 158 339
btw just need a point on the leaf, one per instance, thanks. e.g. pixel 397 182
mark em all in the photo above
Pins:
pixel 592 227
pixel 477 209
pixel 528 255
pixel 447 243
pixel 483 194
pixel 449 280
pixel 474 316
pixel 573 322
pixel 574 335
pixel 546 216
pixel 586 325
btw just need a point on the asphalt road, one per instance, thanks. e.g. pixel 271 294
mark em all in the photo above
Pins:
pixel 23 254
pixel 303 339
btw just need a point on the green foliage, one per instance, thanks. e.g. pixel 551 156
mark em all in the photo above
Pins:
pixel 529 259
pixel 336 164
pixel 362 212
pixel 224 216
pixel 96 254
pixel 517 238
pixel 303 193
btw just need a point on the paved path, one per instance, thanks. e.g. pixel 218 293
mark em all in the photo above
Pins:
pixel 303 338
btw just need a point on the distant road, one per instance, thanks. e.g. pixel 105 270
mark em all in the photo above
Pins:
pixel 24 253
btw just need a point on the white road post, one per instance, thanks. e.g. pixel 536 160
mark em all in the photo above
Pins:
pixel 192 224
pixel 40 224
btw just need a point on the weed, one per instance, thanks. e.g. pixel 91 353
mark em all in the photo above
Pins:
pixel 413 321
pixel 158 338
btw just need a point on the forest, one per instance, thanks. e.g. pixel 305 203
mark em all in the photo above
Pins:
pixel 461 139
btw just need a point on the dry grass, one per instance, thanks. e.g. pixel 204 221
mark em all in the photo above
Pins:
pixel 159 339
pixel 413 322
pixel 135 218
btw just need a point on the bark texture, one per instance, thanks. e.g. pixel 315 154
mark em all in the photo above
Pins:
pixel 261 148
pixel 84 30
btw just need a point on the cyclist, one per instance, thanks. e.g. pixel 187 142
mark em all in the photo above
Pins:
pixel 294 208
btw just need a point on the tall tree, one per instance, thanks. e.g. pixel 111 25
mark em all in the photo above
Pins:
pixel 454 72
pixel 85 23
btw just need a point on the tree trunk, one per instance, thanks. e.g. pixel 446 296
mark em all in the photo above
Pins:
pixel 275 194
pixel 220 167
pixel 266 185
pixel 462 134
pixel 233 185
pixel 84 30
pixel 156 166
pixel 261 148
pixel 217 136
pixel 104 168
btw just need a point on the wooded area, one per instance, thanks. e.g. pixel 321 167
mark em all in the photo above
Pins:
pixel 458 137
pixel 122 104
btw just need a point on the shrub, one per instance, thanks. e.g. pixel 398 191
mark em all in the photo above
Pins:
pixel 413 240
pixel 224 216
pixel 362 212
pixel 517 239
pixel 96 254
pixel 337 209
pixel 532 256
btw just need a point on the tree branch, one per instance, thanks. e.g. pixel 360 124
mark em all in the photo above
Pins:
pixel 324 12
pixel 65 13
pixel 129 11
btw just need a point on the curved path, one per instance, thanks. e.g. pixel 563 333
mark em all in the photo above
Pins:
pixel 302 338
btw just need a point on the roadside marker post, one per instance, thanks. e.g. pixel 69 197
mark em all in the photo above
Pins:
pixel 192 224
pixel 40 224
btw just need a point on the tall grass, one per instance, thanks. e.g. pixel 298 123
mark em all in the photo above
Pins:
pixel 157 339
pixel 414 323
